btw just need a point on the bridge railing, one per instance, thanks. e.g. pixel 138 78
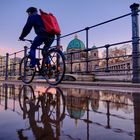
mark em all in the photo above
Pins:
pixel 9 65
pixel 81 61
pixel 102 65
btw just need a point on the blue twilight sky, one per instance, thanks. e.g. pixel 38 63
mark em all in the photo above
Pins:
pixel 72 15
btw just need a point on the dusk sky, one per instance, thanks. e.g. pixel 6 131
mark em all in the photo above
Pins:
pixel 72 15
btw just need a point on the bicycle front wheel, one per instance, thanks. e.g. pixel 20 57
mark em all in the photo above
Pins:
pixel 26 96
pixel 54 67
pixel 26 72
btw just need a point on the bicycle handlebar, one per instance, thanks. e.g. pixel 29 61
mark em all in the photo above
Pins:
pixel 31 41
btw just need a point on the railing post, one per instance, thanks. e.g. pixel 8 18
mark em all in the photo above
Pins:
pixel 71 63
pixel 58 40
pixel 14 65
pixel 58 58
pixel 6 70
pixel 87 29
pixel 25 54
pixel 107 57
pixel 135 43
pixel 25 50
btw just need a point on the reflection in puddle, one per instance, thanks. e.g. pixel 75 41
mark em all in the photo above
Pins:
pixel 37 112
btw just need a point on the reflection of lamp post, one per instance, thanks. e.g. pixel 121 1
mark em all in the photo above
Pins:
pixel 108 114
pixel 14 96
pixel 6 95
pixel 87 119
pixel 58 115
pixel 79 67
pixel 136 99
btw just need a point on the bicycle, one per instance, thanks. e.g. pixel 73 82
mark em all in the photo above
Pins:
pixel 51 66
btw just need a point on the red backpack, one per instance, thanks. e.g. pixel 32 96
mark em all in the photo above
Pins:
pixel 50 22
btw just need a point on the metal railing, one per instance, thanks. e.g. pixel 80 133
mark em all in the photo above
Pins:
pixel 9 69
pixel 7 92
pixel 135 64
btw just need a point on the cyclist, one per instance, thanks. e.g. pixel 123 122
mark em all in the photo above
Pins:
pixel 34 21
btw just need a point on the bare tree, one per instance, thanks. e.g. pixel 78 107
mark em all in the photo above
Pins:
pixel 117 54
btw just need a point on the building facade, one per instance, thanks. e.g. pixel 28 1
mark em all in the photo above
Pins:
pixel 76 57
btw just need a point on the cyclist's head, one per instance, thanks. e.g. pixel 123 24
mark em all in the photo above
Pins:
pixel 31 10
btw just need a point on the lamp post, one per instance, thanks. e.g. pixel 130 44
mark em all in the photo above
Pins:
pixel 135 44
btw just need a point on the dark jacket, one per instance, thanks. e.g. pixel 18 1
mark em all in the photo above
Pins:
pixel 34 21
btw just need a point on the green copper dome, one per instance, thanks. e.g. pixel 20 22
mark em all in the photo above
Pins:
pixel 93 46
pixel 76 44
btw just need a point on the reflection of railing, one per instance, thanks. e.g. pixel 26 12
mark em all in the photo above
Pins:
pixel 10 92
pixel 39 109
pixel 9 98
pixel 11 69
pixel 109 116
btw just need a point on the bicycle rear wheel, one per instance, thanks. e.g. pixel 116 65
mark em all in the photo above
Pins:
pixel 26 72
pixel 54 68
pixel 54 104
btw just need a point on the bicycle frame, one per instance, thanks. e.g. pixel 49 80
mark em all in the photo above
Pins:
pixel 44 56
pixel 51 65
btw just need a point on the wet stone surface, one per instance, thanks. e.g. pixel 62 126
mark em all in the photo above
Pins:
pixel 39 112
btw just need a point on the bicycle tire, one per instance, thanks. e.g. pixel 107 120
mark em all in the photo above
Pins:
pixel 26 94
pixel 53 100
pixel 54 72
pixel 26 73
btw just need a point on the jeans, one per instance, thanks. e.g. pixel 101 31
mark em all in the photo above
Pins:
pixel 38 40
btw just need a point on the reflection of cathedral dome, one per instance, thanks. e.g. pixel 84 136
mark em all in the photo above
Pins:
pixel 76 106
pixel 75 44
pixel 76 113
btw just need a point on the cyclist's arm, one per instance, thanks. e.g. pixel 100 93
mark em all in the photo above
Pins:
pixel 27 28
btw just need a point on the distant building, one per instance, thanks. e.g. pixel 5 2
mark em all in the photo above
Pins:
pixel 13 66
pixel 79 58
pixel 2 65
pixel 120 68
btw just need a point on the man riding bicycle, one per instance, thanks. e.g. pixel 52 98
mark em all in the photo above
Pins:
pixel 34 21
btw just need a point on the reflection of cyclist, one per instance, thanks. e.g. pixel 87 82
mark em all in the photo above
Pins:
pixel 34 20
pixel 45 132
pixel 40 133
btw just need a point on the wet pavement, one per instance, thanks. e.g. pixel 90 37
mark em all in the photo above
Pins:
pixel 40 112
